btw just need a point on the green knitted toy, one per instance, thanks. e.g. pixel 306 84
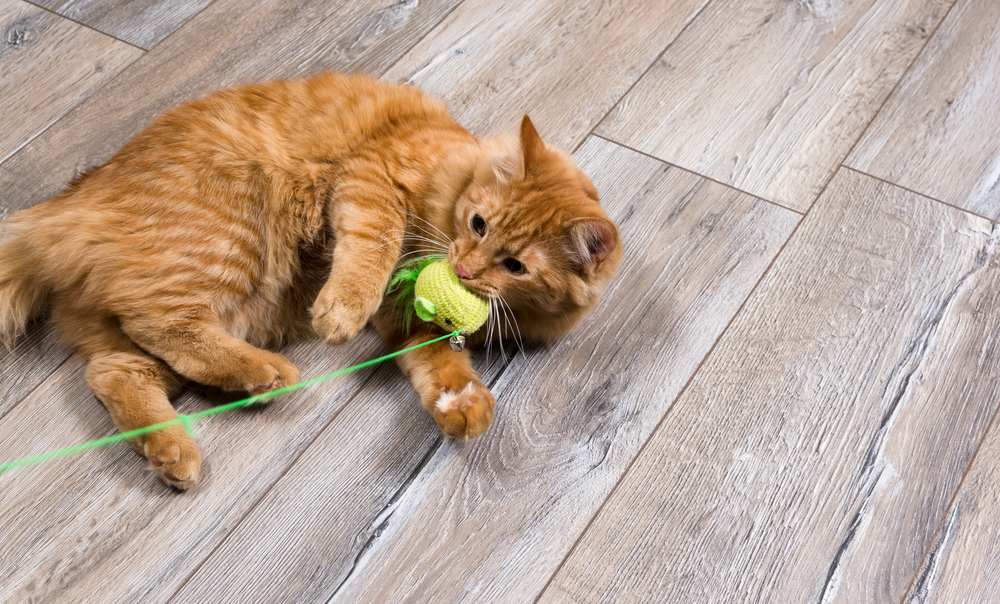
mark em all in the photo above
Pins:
pixel 430 289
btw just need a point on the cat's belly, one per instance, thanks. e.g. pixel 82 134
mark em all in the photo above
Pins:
pixel 278 309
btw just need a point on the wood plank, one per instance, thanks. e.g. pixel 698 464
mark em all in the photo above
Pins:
pixel 769 95
pixel 32 360
pixel 964 562
pixel 48 65
pixel 142 23
pixel 70 525
pixel 490 519
pixel 232 41
pixel 937 134
pixel 816 451
pixel 566 63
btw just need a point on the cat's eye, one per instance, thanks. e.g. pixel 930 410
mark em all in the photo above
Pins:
pixel 514 265
pixel 478 224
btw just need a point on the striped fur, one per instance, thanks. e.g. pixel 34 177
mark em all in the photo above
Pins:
pixel 238 221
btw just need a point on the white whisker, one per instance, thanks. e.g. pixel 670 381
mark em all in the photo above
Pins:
pixel 513 318
pixel 433 226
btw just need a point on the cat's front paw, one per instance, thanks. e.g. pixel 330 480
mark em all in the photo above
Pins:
pixel 338 318
pixel 464 413
pixel 174 456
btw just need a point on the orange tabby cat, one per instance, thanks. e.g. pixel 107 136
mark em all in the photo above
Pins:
pixel 243 219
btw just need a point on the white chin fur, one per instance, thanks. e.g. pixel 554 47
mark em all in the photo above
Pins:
pixel 449 399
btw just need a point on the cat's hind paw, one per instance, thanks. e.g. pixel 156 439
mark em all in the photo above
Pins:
pixel 175 458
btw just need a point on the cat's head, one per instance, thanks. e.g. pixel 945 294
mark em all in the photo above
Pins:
pixel 530 228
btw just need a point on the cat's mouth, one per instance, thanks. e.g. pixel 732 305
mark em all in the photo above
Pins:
pixel 478 287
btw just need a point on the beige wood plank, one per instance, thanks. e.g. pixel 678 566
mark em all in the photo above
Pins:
pixel 770 95
pixel 964 563
pixel 937 134
pixel 232 41
pixel 816 451
pixel 48 65
pixel 564 62
pixel 98 527
pixel 490 519
pixel 140 22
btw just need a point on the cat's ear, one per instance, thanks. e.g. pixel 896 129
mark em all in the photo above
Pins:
pixel 591 240
pixel 532 146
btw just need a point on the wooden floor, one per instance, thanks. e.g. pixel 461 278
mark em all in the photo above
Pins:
pixel 789 394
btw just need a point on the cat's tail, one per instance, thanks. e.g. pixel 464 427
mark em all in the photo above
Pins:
pixel 22 293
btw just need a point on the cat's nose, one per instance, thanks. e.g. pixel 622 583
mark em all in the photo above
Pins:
pixel 462 272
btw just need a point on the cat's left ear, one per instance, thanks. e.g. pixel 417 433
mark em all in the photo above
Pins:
pixel 592 240
pixel 532 145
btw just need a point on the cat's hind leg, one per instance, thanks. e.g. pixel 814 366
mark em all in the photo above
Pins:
pixel 135 388
pixel 194 344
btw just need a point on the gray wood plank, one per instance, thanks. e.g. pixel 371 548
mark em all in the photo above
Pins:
pixel 816 451
pixel 566 63
pixel 937 135
pixel 140 22
pixel 232 41
pixel 48 65
pixel 490 519
pixel 71 526
pixel 769 95
pixel 964 563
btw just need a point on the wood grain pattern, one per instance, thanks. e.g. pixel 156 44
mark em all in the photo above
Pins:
pixel 770 95
pixel 232 41
pixel 815 453
pixel 117 520
pixel 937 134
pixel 48 65
pixel 964 563
pixel 140 22
pixel 489 520
pixel 564 62
pixel 34 357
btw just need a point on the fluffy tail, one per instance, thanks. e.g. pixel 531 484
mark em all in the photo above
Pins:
pixel 22 294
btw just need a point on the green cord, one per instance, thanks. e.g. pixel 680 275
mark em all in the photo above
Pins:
pixel 188 421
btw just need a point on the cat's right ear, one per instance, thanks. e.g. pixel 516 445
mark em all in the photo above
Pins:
pixel 591 241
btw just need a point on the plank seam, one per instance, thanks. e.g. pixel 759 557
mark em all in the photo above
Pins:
pixel 673 403
pixel 277 479
pixel 923 195
pixel 105 85
pixel 698 174
pixel 85 26
pixel 892 92
pixel 404 488
pixel 42 381
pixel 940 534
pixel 642 75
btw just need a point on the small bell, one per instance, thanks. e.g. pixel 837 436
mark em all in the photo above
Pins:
pixel 457 342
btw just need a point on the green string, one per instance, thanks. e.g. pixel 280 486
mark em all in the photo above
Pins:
pixel 188 421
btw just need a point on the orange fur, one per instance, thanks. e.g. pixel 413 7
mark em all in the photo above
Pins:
pixel 240 220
